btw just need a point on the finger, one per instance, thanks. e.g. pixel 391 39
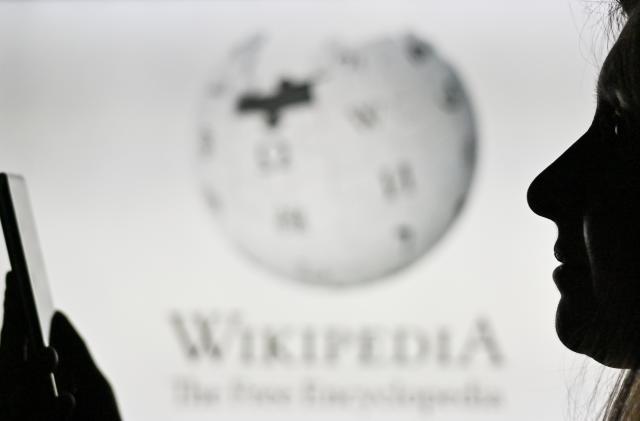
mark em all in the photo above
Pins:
pixel 65 405
pixel 78 374
pixel 37 369
pixel 14 328
pixel 74 356
pixel 47 361
pixel 29 385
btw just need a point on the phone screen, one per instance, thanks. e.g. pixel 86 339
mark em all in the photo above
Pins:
pixel 25 255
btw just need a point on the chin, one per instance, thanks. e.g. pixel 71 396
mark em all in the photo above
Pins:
pixel 581 331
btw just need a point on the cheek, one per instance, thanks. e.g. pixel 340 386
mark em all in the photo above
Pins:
pixel 612 236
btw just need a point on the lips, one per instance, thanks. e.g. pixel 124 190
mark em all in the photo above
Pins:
pixel 574 274
pixel 559 255
pixel 571 278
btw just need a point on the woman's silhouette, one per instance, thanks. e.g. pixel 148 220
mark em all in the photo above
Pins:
pixel 592 193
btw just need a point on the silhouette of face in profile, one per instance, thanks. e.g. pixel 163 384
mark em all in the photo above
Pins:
pixel 592 193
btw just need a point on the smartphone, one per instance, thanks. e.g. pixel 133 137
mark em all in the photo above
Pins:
pixel 27 264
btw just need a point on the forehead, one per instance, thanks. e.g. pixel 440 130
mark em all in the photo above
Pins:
pixel 619 73
pixel 611 78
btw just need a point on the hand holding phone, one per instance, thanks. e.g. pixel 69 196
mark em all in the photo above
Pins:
pixel 24 379
pixel 37 343
pixel 27 266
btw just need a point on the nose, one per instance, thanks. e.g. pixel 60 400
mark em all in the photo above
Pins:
pixel 560 191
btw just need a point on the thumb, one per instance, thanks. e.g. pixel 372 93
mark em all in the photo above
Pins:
pixel 78 374
pixel 65 405
pixel 75 361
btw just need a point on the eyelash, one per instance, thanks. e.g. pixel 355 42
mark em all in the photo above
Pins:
pixel 616 120
pixel 613 117
pixel 612 121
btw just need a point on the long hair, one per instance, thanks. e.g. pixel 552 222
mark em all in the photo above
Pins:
pixel 623 63
pixel 624 402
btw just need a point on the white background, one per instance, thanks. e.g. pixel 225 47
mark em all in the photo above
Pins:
pixel 98 109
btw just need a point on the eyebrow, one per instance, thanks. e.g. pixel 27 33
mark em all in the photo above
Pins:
pixel 606 93
pixel 622 102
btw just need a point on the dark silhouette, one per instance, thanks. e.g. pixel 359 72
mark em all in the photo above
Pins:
pixel 83 392
pixel 592 193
